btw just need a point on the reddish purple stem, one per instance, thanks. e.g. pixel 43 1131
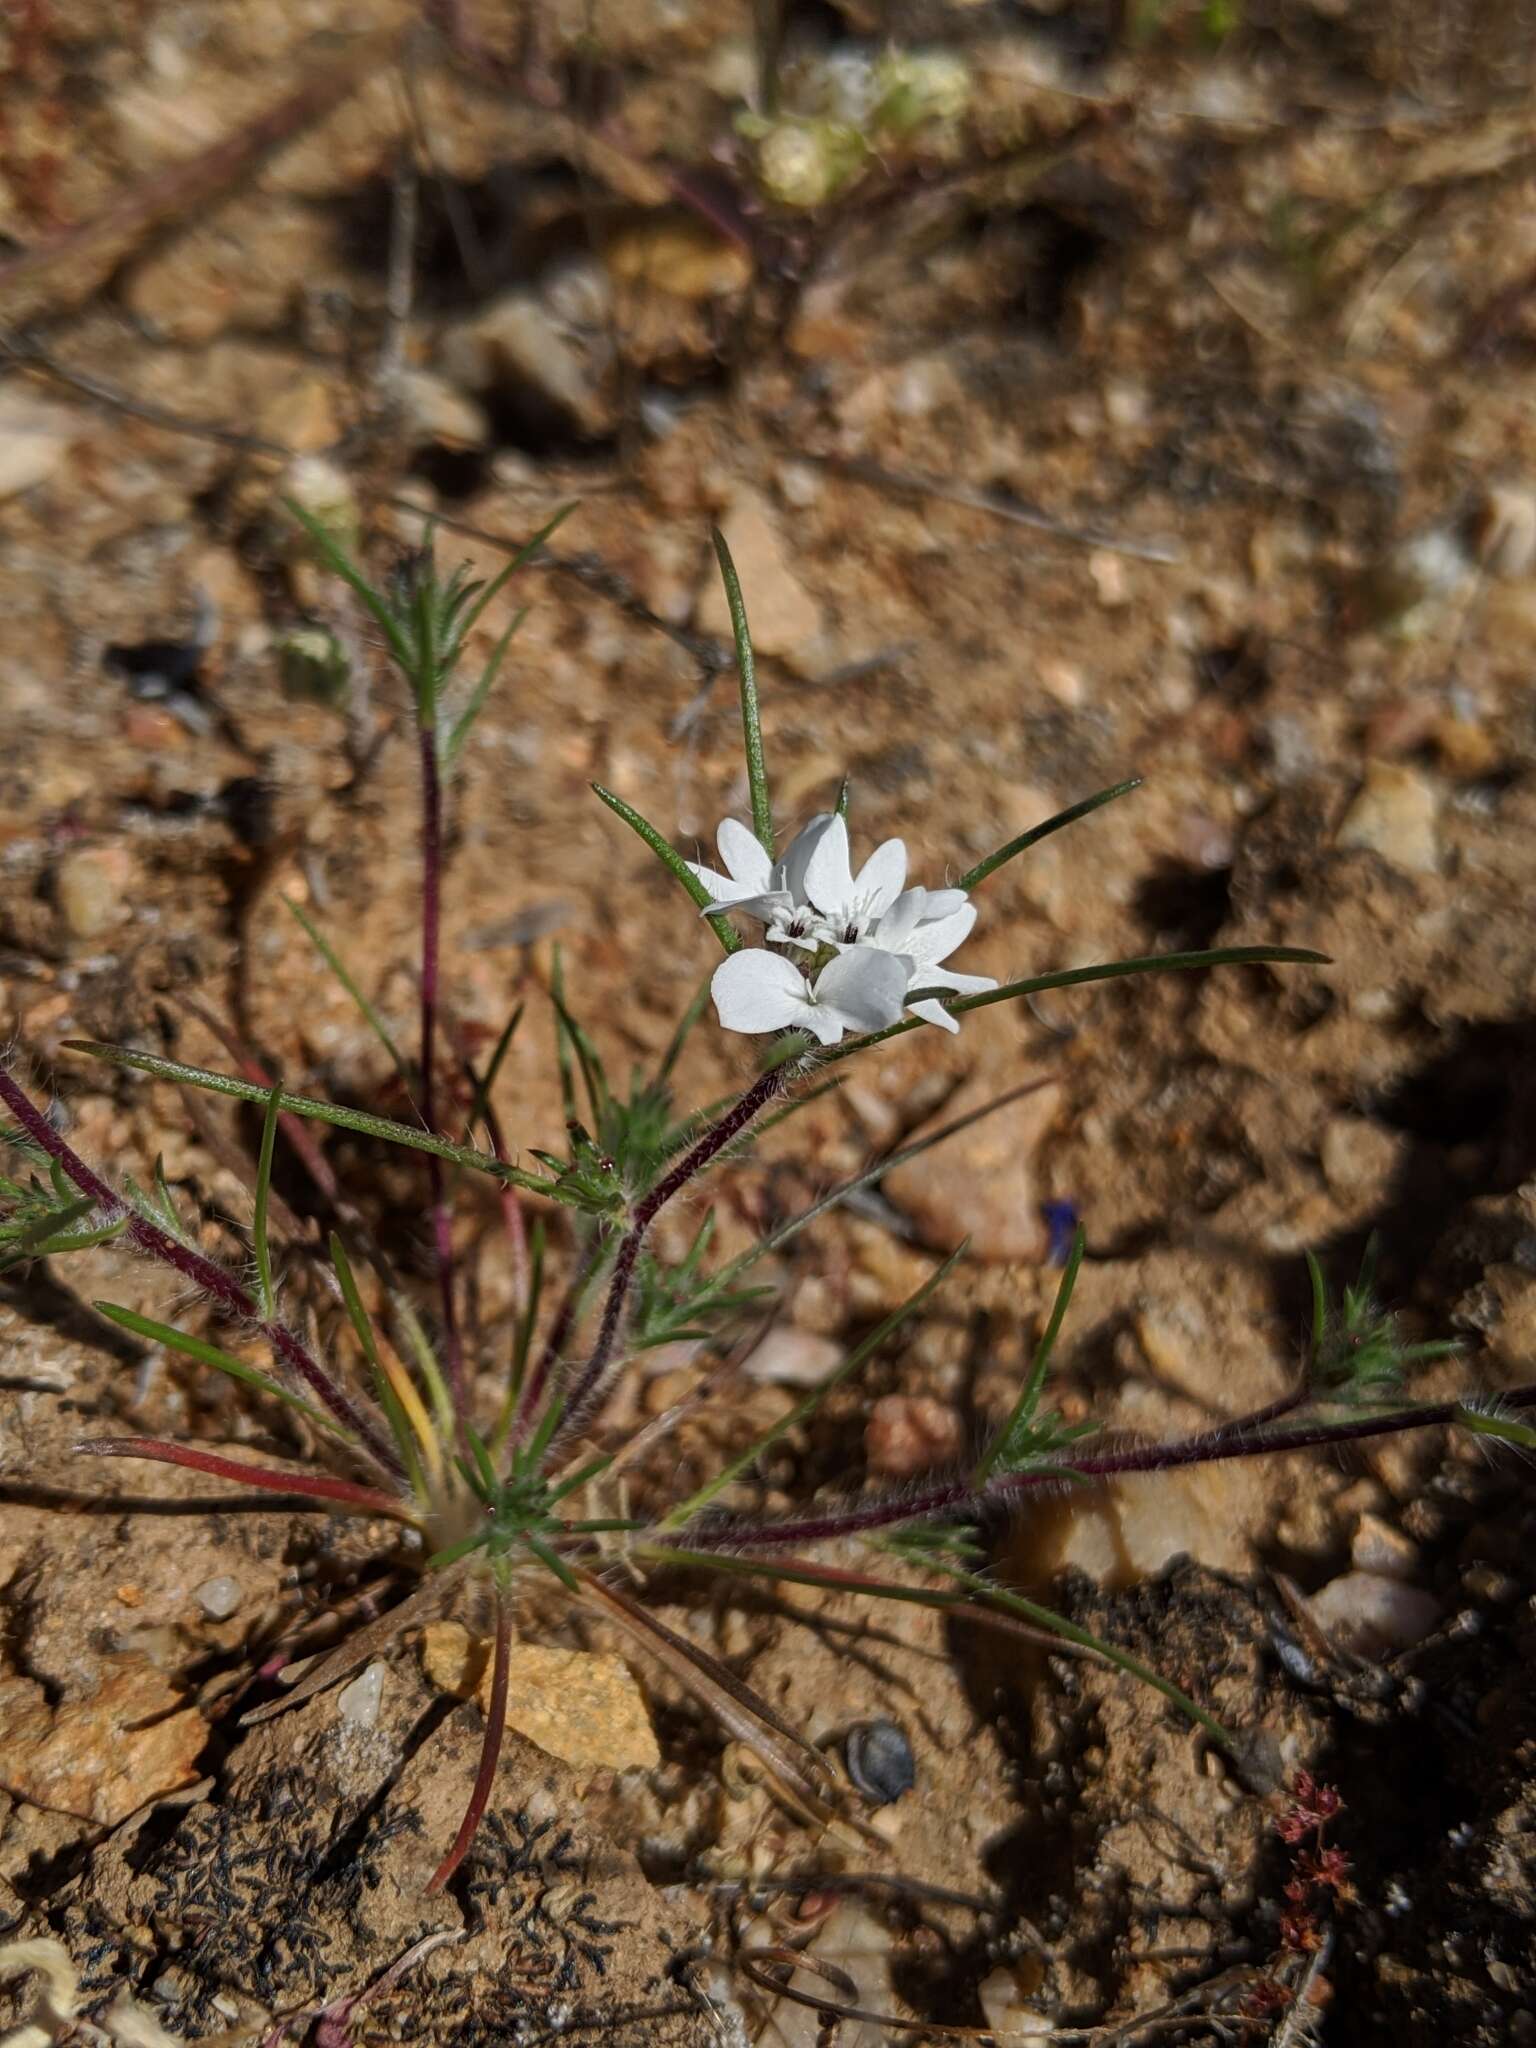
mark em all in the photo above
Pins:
pixel 267 1478
pixel 710 1146
pixel 431 896
pixel 960 1497
pixel 490 1751
pixel 208 1278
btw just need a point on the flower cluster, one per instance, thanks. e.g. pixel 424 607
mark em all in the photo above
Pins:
pixel 851 947
pixel 1317 1871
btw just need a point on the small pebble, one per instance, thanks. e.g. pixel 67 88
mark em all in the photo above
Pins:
pixel 219 1597
pixel 1394 815
pixel 1504 529
pixel 909 1433
pixel 1484 1582
pixel 1372 1615
pixel 1377 1547
pixel 34 440
pixel 1005 2010
pixel 89 887
pixel 358 1703
pixel 880 1761
pixel 788 1357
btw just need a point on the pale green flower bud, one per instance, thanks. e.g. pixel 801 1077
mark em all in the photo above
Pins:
pixel 805 163
pixel 918 87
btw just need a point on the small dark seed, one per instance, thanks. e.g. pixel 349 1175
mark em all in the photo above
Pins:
pixel 880 1762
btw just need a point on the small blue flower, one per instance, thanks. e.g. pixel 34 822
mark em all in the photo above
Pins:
pixel 1061 1219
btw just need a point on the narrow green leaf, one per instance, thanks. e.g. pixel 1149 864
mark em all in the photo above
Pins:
pixel 1319 1307
pixel 841 806
pixel 751 723
pixel 1036 833
pixel 30 1237
pixel 531 1456
pixel 444 1417
pixel 580 1478
pixel 399 1428
pixel 1504 1427
pixel 1009 1602
pixel 594 1080
pixel 1005 1443
pixel 552 1562
pixel 1075 977
pixel 793 1225
pixel 454 1551
pixel 487 1080
pixel 472 710
pixel 360 1120
pixel 71 1241
pixel 695 1504
pixel 266 1300
pixel 341 564
pixel 210 1354
pixel 673 862
pixel 425 672
pixel 482 1458
pixel 371 1016
pixel 698 1004
pixel 522 1343
pixel 500 580
pixel 164 1205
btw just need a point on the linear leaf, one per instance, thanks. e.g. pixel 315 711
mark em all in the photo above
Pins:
pixel 370 1014
pixel 673 862
pixel 751 722
pixel 1074 977
pixel 221 1361
pixel 694 1505
pixel 1005 1444
pixel 1036 833
pixel 263 1249
pixel 360 1120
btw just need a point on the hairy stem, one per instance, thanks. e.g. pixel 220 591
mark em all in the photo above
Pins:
pixel 714 1141
pixel 1274 1411
pixel 960 1498
pixel 208 1278
pixel 431 919
pixel 490 1750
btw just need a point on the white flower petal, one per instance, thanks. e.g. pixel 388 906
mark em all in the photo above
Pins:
pixel 944 903
pixel 773 903
pixel 823 1021
pixel 828 877
pixel 879 882
pixel 935 941
pixel 744 856
pixel 797 855
pixel 905 914
pixel 865 986
pixel 758 991
pixel 722 890
pixel 934 1013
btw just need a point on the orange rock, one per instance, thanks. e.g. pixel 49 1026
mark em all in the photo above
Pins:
pixel 101 1758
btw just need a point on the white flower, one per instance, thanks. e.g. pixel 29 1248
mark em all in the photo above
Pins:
pixel 774 892
pixel 888 938
pixel 849 904
pixel 923 927
pixel 861 990
pixel 748 867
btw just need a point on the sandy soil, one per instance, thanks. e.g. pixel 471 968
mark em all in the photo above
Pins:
pixel 1167 412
